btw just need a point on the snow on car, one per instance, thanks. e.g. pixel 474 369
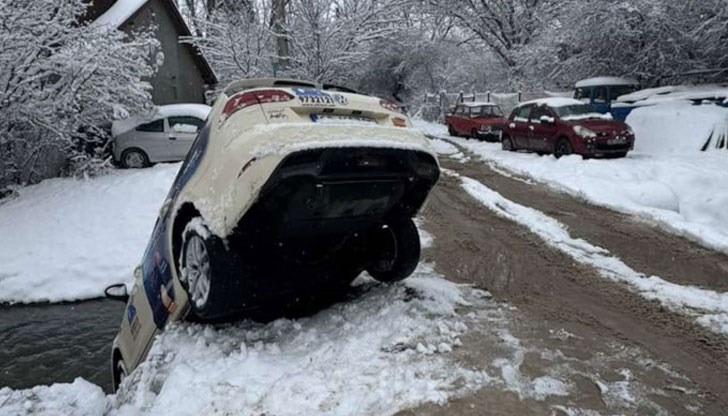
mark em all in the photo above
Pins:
pixel 271 205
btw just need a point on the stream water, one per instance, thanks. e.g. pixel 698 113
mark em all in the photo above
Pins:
pixel 54 343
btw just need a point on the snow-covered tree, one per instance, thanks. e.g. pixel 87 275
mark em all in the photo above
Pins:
pixel 238 45
pixel 60 81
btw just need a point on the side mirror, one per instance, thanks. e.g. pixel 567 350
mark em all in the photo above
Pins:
pixel 117 292
pixel 546 120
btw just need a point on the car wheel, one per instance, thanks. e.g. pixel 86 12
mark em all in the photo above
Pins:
pixel 563 148
pixel 134 159
pixel 120 373
pixel 208 273
pixel 451 130
pixel 474 134
pixel 620 155
pixel 507 144
pixel 400 251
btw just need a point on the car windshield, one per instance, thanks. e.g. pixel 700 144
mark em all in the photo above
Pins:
pixel 486 111
pixel 576 111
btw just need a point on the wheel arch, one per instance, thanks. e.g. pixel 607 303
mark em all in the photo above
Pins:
pixel 183 215
pixel 115 376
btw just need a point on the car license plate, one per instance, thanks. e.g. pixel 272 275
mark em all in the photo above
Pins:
pixel 617 140
pixel 341 119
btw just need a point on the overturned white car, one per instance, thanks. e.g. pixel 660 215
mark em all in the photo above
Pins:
pixel 289 189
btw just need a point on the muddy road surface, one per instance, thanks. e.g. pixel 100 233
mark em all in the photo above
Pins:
pixel 617 351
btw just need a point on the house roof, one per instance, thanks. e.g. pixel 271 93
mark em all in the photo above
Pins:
pixel 122 11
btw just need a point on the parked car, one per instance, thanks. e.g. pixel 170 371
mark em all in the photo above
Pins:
pixel 477 120
pixel 165 137
pixel 602 93
pixel 563 126
pixel 289 190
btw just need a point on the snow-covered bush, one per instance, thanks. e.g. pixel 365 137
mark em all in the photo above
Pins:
pixel 61 83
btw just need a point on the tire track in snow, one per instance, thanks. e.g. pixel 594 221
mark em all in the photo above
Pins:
pixel 708 307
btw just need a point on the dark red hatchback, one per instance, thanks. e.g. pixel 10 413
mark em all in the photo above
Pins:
pixel 564 126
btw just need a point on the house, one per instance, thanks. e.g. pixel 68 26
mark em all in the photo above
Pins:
pixel 185 76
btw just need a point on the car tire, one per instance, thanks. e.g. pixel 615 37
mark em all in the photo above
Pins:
pixel 400 243
pixel 563 148
pixel 120 372
pixel 507 144
pixel 134 159
pixel 620 155
pixel 474 134
pixel 209 273
pixel 451 131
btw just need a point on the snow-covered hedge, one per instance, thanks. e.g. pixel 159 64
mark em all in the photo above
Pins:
pixel 60 81
pixel 680 127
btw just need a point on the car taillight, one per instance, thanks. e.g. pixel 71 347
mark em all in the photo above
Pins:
pixel 246 99
pixel 390 106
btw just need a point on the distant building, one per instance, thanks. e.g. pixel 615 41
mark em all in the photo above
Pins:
pixel 185 76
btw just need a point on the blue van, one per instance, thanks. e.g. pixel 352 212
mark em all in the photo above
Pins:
pixel 601 92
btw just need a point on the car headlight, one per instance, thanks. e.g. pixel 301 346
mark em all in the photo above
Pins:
pixel 584 132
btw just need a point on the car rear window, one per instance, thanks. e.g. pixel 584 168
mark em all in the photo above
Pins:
pixel 156 126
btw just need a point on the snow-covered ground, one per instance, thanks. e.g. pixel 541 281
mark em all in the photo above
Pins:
pixel 667 180
pixel 390 347
pixel 67 239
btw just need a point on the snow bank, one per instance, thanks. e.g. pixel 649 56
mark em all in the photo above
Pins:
pixel 690 300
pixel 67 239
pixel 389 348
pixel 384 351
pixel 661 95
pixel 678 127
pixel 79 398
pixel 683 193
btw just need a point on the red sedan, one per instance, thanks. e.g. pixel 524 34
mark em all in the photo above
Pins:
pixel 564 126
pixel 477 120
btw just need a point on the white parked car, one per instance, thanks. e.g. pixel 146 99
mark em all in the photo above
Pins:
pixel 165 137
pixel 289 191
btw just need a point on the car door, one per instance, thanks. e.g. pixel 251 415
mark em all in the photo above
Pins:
pixel 518 126
pixel 542 134
pixel 151 139
pixel 181 132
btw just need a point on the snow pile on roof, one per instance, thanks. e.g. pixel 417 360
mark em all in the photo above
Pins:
pixel 163 111
pixel 553 102
pixel 678 128
pixel 660 95
pixel 71 238
pixel 119 13
pixel 597 81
